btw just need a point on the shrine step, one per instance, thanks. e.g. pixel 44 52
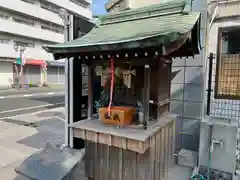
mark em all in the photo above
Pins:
pixel 52 163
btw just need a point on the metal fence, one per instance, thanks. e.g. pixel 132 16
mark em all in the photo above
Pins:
pixel 223 97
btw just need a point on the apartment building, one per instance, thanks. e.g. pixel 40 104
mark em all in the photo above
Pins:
pixel 32 24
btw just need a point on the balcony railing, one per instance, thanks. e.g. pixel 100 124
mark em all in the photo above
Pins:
pixel 8 26
pixel 32 10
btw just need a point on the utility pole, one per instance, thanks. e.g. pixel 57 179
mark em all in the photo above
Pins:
pixel 73 80
pixel 66 17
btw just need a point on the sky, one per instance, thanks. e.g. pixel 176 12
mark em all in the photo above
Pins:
pixel 98 7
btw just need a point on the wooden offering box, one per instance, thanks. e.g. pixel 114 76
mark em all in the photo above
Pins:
pixel 129 153
pixel 119 115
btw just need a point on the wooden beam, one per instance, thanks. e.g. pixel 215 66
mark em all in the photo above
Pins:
pixel 90 91
pixel 146 94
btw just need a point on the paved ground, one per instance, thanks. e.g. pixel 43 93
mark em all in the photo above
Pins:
pixel 23 135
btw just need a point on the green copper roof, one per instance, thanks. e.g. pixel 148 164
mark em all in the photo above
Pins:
pixel 155 25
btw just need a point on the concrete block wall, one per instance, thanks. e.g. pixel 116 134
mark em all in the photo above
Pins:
pixel 187 87
pixel 186 100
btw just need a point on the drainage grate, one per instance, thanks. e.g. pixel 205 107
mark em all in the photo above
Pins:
pixel 33 125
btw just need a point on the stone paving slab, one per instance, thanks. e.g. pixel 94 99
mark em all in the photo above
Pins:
pixel 52 163
pixel 41 115
pixel 8 172
pixel 18 141
pixel 39 140
pixel 12 132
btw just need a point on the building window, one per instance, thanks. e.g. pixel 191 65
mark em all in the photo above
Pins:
pixel 52 27
pixel 3 15
pixel 29 1
pixel 4 41
pixel 82 3
pixel 49 6
pixel 228 64
pixel 25 44
pixel 24 20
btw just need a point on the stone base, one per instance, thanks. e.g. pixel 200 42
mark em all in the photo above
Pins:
pixel 52 163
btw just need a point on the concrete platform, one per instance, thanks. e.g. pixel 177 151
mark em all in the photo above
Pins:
pixel 179 173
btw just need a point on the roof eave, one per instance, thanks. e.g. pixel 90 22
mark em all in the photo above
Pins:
pixel 187 43
pixel 152 41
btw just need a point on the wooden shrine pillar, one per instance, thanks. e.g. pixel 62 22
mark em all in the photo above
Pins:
pixel 146 94
pixel 79 104
pixel 90 91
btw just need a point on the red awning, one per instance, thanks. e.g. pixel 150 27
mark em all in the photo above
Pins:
pixel 35 62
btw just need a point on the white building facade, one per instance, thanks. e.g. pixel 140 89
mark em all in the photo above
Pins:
pixel 33 24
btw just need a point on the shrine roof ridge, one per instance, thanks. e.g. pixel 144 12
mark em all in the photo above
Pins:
pixel 151 26
pixel 161 9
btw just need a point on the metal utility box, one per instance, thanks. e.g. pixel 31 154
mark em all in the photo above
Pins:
pixel 220 136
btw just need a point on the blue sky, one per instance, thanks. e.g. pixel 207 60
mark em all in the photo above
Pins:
pixel 98 7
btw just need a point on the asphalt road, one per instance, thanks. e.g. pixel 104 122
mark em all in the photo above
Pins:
pixel 15 92
pixel 21 102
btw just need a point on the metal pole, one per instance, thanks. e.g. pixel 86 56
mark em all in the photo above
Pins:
pixel 58 74
pixel 66 38
pixel 21 70
pixel 70 83
pixel 209 88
